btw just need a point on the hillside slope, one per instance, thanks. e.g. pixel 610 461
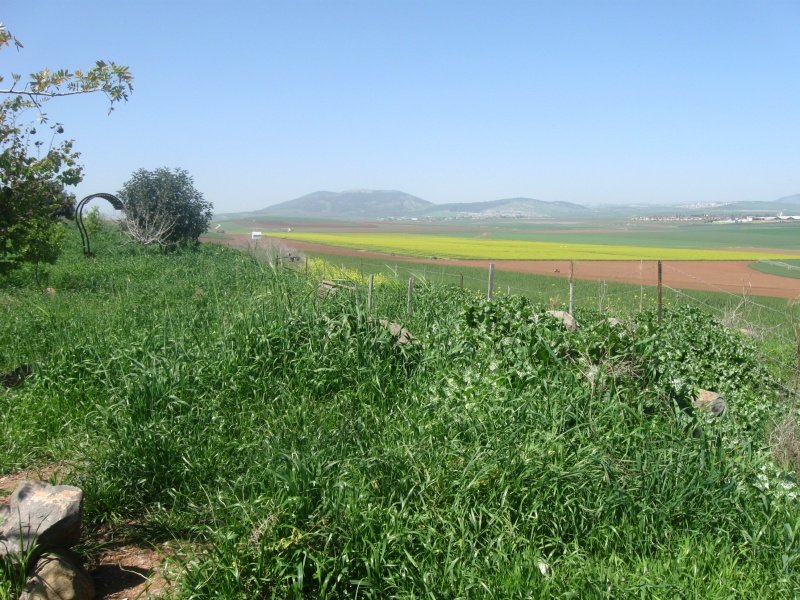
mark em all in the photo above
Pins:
pixel 351 204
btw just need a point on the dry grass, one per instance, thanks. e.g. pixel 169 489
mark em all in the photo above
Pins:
pixel 785 442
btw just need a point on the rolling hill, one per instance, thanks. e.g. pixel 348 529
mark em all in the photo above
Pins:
pixel 358 204
pixel 391 204
pixel 527 207
pixel 386 204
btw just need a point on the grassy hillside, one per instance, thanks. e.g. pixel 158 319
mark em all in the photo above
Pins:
pixel 298 450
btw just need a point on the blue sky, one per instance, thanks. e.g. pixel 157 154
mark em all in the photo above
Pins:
pixel 452 101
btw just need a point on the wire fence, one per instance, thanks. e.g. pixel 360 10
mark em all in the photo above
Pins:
pixel 772 323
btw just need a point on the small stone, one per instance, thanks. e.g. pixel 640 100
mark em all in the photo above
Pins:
pixel 58 577
pixel 710 401
pixel 50 291
pixel 42 514
pixel 401 333
pixel 326 288
pixel 567 319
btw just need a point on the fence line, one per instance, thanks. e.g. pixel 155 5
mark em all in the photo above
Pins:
pixel 603 297
pixel 720 290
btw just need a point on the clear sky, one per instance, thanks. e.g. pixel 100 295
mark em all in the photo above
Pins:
pixel 450 100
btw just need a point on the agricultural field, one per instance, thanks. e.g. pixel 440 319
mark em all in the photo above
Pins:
pixel 270 442
pixel 426 246
pixel 782 268
pixel 676 235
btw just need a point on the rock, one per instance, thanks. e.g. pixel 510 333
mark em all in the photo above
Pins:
pixel 328 288
pixel 567 319
pixel 401 333
pixel 710 401
pixel 50 291
pixel 58 577
pixel 42 514
pixel 325 288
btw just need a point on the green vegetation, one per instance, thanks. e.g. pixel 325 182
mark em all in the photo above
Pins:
pixel 35 170
pixel 163 207
pixel 784 268
pixel 771 321
pixel 296 449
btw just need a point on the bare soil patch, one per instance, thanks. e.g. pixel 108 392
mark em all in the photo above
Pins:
pixel 124 570
pixel 734 277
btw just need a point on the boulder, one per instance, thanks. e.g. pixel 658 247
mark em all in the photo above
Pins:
pixel 401 333
pixel 567 319
pixel 713 402
pixel 58 576
pixel 40 514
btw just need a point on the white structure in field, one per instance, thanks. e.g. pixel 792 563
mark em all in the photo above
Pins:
pixel 256 235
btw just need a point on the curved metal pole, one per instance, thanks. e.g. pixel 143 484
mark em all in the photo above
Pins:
pixel 115 202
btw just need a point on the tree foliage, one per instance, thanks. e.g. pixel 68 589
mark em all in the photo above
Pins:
pixel 163 207
pixel 35 168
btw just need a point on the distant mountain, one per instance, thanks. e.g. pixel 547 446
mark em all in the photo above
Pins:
pixel 388 204
pixel 385 204
pixel 358 204
pixel 795 199
pixel 527 207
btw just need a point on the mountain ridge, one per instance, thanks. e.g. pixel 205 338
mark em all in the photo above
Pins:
pixel 366 203
pixel 394 204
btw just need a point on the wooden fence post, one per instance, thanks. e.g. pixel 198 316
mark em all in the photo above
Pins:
pixel 571 283
pixel 306 267
pixel 508 290
pixel 641 284
pixel 462 280
pixel 660 286
pixel 491 280
pixel 410 294
pixel 369 293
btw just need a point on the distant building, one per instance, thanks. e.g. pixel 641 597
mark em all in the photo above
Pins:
pixel 256 235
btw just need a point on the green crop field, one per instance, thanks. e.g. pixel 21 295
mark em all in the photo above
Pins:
pixel 663 235
pixel 288 445
pixel 490 249
pixel 784 268
pixel 752 236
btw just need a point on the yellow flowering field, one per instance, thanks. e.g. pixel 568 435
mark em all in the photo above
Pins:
pixel 425 246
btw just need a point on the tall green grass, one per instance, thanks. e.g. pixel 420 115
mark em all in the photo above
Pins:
pixel 299 450
pixel 772 322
